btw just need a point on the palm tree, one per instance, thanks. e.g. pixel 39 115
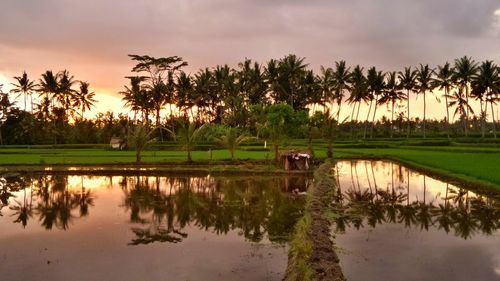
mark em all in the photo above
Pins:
pixel 140 138
pixel 136 97
pixel 253 83
pixel 424 84
pixel 359 91
pixel 376 84
pixel 24 86
pixel 392 94
pixel 232 141
pixel 5 104
pixel 341 78
pixel 444 81
pixel 465 70
pixel 408 81
pixel 188 135
pixel 462 107
pixel 484 86
pixel 184 92
pixel 203 90
pixel 326 83
pixel 49 86
pixel 84 99
pixel 292 68
pixel 65 94
pixel 159 96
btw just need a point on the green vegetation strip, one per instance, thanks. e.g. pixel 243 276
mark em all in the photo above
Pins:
pixel 312 256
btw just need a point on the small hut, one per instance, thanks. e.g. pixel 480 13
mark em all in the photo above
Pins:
pixel 118 143
pixel 294 160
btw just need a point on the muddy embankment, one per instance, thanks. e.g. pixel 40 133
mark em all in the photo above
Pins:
pixel 312 255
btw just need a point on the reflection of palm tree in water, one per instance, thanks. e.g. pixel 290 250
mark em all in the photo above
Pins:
pixel 464 214
pixel 23 211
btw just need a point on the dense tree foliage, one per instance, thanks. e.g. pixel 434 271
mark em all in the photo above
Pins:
pixel 274 101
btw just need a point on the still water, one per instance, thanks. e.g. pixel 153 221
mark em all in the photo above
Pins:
pixel 398 224
pixel 60 227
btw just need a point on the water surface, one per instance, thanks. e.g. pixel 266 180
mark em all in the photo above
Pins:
pixel 397 224
pixel 57 227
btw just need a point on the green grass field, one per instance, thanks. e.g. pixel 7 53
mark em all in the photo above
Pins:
pixel 482 166
pixel 477 163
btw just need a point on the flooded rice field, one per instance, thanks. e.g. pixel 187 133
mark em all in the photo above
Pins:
pixel 397 224
pixel 59 227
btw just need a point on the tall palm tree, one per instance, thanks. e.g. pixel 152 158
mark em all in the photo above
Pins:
pixel 184 92
pixel 424 84
pixel 465 70
pixel 5 104
pixel 376 85
pixel 203 86
pixel 458 100
pixel 392 93
pixel 49 85
pixel 341 78
pixel 326 83
pixel 84 99
pixel 359 92
pixel 292 68
pixel 408 81
pixel 136 97
pixel 485 88
pixel 26 87
pixel 65 94
pixel 444 81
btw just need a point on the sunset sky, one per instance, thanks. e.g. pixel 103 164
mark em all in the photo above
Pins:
pixel 92 38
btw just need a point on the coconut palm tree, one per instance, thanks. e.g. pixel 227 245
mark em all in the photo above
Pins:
pixel 5 104
pixel 484 85
pixel 444 81
pixel 359 90
pixel 458 100
pixel 24 86
pixel 140 138
pixel 408 81
pixel 49 86
pixel 465 70
pixel 341 80
pixel 424 84
pixel 135 97
pixel 376 84
pixel 65 94
pixel 184 93
pixel 188 135
pixel 232 141
pixel 292 68
pixel 203 88
pixel 84 99
pixel 392 94
pixel 326 83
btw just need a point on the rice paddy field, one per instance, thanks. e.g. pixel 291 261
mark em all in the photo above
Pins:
pixel 477 162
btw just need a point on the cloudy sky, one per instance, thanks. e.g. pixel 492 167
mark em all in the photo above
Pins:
pixel 92 38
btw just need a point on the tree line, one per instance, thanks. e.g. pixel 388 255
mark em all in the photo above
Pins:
pixel 160 93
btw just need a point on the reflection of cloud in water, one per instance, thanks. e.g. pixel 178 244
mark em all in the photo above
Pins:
pixel 366 174
pixel 496 262
pixel 422 236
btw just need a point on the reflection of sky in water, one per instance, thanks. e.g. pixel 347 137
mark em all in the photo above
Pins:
pixel 236 228
pixel 393 251
pixel 383 175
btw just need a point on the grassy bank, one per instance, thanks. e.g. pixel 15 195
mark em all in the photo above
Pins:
pixel 312 255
